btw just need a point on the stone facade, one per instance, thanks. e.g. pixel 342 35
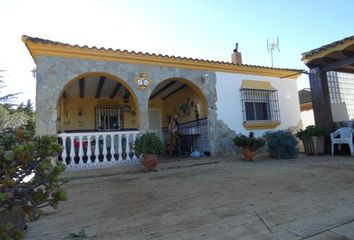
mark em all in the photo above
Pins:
pixel 224 145
pixel 54 73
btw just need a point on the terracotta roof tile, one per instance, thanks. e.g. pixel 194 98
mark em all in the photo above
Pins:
pixel 50 42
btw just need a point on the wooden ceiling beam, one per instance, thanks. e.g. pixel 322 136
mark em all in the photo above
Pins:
pixel 162 89
pixel 329 59
pixel 100 86
pixel 338 64
pixel 115 90
pixel 174 91
pixel 82 87
pixel 347 53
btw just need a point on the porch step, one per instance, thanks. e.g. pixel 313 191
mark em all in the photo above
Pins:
pixel 103 171
pixel 129 169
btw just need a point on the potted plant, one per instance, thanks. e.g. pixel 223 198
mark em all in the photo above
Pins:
pixel 313 139
pixel 184 109
pixel 149 145
pixel 249 144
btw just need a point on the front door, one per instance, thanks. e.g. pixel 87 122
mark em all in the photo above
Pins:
pixel 155 122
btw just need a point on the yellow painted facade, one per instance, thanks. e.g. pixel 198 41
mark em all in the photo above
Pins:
pixel 187 97
pixel 77 113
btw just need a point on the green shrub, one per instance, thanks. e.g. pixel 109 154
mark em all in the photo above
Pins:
pixel 22 158
pixel 311 131
pixel 281 144
pixel 254 143
pixel 148 143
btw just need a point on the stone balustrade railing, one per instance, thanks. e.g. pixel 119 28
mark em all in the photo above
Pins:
pixel 96 149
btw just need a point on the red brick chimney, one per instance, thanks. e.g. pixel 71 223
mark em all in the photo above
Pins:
pixel 236 57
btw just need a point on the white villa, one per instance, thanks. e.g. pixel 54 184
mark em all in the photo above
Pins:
pixel 98 100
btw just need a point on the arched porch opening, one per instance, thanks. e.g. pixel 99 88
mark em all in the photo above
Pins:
pixel 97 102
pixel 98 120
pixel 178 114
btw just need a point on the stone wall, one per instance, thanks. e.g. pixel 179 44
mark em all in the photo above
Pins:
pixel 54 73
pixel 224 145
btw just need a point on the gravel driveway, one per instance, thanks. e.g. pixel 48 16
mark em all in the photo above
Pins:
pixel 211 198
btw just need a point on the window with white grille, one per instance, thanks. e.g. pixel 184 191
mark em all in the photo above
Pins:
pixel 260 105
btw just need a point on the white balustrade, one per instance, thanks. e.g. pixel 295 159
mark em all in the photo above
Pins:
pixel 95 149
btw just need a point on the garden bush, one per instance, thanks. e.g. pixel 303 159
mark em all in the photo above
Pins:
pixel 29 180
pixel 281 144
pixel 149 143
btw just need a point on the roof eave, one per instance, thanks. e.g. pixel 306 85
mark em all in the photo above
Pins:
pixel 320 52
pixel 26 41
pixel 41 47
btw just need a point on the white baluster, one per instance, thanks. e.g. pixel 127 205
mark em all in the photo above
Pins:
pixel 133 150
pixel 115 144
pixel 104 152
pixel 72 151
pixel 128 147
pixel 120 154
pixel 63 153
pixel 112 148
pixel 88 152
pixel 81 151
pixel 97 150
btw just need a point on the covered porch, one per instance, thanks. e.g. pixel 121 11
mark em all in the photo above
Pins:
pixel 99 119
pixel 99 100
pixel 97 122
pixel 178 113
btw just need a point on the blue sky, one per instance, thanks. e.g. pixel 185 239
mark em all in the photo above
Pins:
pixel 205 29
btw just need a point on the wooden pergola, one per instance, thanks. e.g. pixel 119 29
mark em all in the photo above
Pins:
pixel 337 56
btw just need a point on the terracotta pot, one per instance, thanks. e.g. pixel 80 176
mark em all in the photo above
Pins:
pixel 150 161
pixel 314 145
pixel 249 153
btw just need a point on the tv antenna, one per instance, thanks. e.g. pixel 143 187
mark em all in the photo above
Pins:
pixel 272 45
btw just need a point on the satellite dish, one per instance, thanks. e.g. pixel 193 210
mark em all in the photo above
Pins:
pixel 273 45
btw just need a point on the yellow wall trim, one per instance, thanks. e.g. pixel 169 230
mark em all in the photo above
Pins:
pixel 306 106
pixel 260 125
pixel 41 47
pixel 258 85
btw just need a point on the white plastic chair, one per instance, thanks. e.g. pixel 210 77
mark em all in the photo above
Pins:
pixel 343 136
